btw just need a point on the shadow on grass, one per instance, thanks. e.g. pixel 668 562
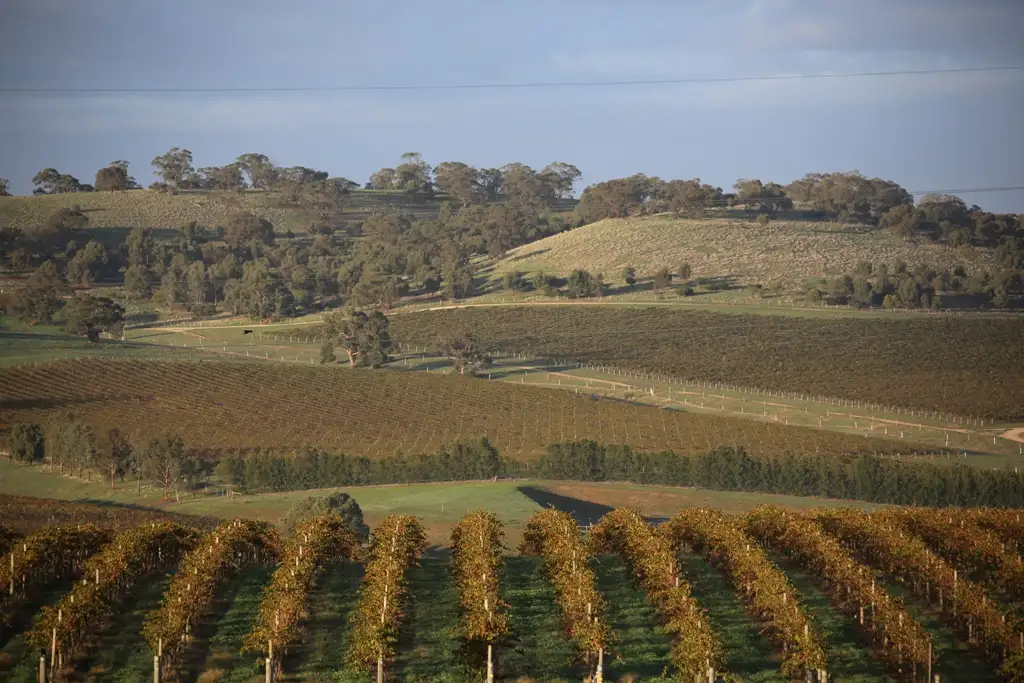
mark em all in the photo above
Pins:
pixel 847 647
pixel 955 661
pixel 640 649
pixel 537 647
pixel 331 602
pixel 583 511
pixel 428 645
pixel 121 654
pixel 748 652
pixel 219 636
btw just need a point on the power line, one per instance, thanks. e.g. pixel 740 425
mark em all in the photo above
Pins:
pixel 521 85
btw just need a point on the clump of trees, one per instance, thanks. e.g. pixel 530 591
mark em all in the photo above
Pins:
pixel 363 337
pixel 465 352
pixel 339 503
pixel 923 286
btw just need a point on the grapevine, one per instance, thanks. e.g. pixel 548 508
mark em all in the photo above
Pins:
pixel 477 561
pixel 317 543
pixel 220 554
pixel 963 603
pixel 766 590
pixel 44 557
pixel 109 574
pixel 1008 525
pixel 398 542
pixel 555 536
pixel 965 545
pixel 650 557
pixel 898 638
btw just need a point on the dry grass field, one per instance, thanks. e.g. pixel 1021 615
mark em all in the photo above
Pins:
pixel 158 210
pixel 740 249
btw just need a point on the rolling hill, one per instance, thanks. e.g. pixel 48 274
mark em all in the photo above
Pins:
pixel 738 249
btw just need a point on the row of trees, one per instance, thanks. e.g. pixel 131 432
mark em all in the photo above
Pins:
pixel 67 446
pixel 876 479
pixel 918 287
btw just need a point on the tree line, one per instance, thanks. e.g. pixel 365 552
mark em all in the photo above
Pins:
pixel 867 478
pixel 900 286
pixel 67 446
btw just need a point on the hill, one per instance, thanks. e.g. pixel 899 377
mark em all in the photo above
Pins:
pixel 742 250
pixel 159 210
pixel 224 406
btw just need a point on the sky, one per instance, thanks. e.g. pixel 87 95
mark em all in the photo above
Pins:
pixel 929 133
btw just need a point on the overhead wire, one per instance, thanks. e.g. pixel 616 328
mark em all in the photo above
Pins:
pixel 693 80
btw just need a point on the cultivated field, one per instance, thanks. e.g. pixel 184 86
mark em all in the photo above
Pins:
pixel 971 367
pixel 772 594
pixel 729 248
pixel 251 405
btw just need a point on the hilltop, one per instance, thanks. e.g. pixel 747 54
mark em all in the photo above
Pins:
pixel 743 250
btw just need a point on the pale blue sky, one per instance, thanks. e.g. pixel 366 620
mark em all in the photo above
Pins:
pixel 926 132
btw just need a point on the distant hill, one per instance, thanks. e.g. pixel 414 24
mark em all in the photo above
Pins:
pixel 718 247
pixel 159 210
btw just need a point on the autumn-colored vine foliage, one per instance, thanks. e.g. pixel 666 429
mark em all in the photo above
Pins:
pixel 1007 524
pixel 318 542
pixel 476 563
pixel 398 543
pixel 132 554
pixel 555 536
pixel 219 556
pixel 765 589
pixel 967 546
pixel 46 556
pixel 655 568
pixel 897 637
pixel 963 603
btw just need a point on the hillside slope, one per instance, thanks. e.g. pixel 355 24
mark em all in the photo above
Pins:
pixel 741 249
pixel 151 209
pixel 218 406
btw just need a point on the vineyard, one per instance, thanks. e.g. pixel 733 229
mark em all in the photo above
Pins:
pixel 965 367
pixel 771 595
pixel 373 413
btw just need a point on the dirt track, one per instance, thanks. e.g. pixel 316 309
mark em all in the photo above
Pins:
pixel 1014 435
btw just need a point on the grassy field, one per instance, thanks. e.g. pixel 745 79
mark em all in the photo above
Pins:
pixel 113 214
pixel 440 505
pixel 220 407
pixel 738 250
pixel 963 366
